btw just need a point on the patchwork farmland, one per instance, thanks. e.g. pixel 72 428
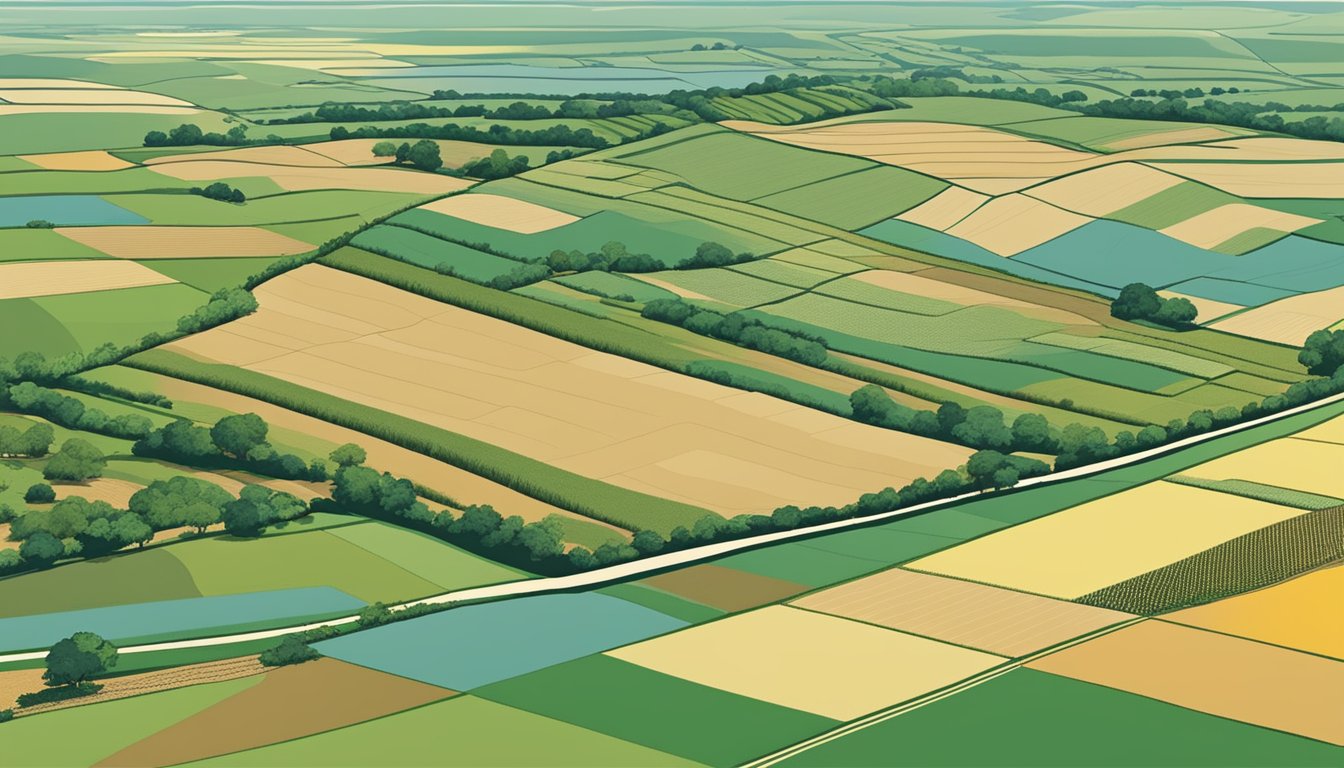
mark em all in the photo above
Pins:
pixel 636 387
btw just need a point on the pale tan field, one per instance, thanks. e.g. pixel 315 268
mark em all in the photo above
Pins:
pixel 1095 545
pixel 1179 136
pixel 1331 431
pixel 51 278
pixel 99 109
pixel 995 620
pixel 1209 310
pixel 91 96
pixel 1266 179
pixel 1102 191
pixel 16 682
pixel 296 179
pixel 270 155
pixel 983 159
pixel 1013 223
pixel 832 667
pixel 382 455
pixel 1252 148
pixel 1288 321
pixel 149 242
pixel 1227 221
pixel 48 82
pixel 1303 613
pixel 502 213
pixel 1225 676
pixel 115 492
pixel 1290 462
pixel 92 160
pixel 592 413
pixel 945 208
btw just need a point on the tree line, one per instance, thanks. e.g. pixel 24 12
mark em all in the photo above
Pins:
pixel 237 441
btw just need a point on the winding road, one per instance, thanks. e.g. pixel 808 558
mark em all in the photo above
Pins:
pixel 623 571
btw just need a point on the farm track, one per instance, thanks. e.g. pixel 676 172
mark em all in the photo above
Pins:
pixel 161 680
pixel 625 571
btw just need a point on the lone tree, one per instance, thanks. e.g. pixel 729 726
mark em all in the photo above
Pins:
pixel 78 460
pixel 39 493
pixel 385 149
pixel 348 455
pixel 78 658
pixel 291 650
pixel 424 154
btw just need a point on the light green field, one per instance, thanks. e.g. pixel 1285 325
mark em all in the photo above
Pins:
pixel 426 557
pixel 278 209
pixel 40 244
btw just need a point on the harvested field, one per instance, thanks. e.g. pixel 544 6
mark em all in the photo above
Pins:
pixel 727 589
pixel 501 213
pixel 1094 545
pixel 944 209
pixel 1288 321
pixel 995 620
pixel 16 682
pixel 160 680
pixel 772 654
pixel 1255 148
pixel 53 278
pixel 1266 179
pixel 382 455
pixel 137 242
pixel 1161 138
pixel 1302 613
pixel 51 82
pixel 1225 222
pixel 100 109
pixel 588 412
pixel 983 159
pixel 1252 561
pixel 115 492
pixel 91 160
pixel 289 703
pixel 265 155
pixel 1013 223
pixel 1289 462
pixel 1102 191
pixel 1225 676
pixel 296 179
pixel 91 96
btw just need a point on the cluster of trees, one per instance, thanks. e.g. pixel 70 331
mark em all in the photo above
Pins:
pixel 980 426
pixel 224 305
pixel 498 165
pixel 357 488
pixel 1242 114
pixel 77 460
pixel 556 135
pixel 1140 302
pixel 291 650
pixel 221 192
pixel 72 527
pixel 736 328
pixel 238 440
pixel 31 443
pixel 190 134
pixel 611 257
pixel 1323 352
pixel 423 155
pixel 70 412
pixel 715 47
pixel 40 224
pixel 258 507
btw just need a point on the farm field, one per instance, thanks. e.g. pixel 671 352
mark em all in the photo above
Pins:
pixel 806 384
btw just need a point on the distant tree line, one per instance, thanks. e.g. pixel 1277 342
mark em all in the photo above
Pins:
pixel 190 135
pixel 736 328
pixel 556 135
pixel 70 412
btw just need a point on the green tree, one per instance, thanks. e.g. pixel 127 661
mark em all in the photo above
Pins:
pixel 200 515
pixel 1176 312
pixel 291 650
pixel 41 549
pixel 1136 302
pixel 78 460
pixel 39 493
pixel 78 658
pixel 1031 432
pixel 242 518
pixel 424 154
pixel 348 455
pixel 1323 352
pixel 238 435
pixel 385 149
